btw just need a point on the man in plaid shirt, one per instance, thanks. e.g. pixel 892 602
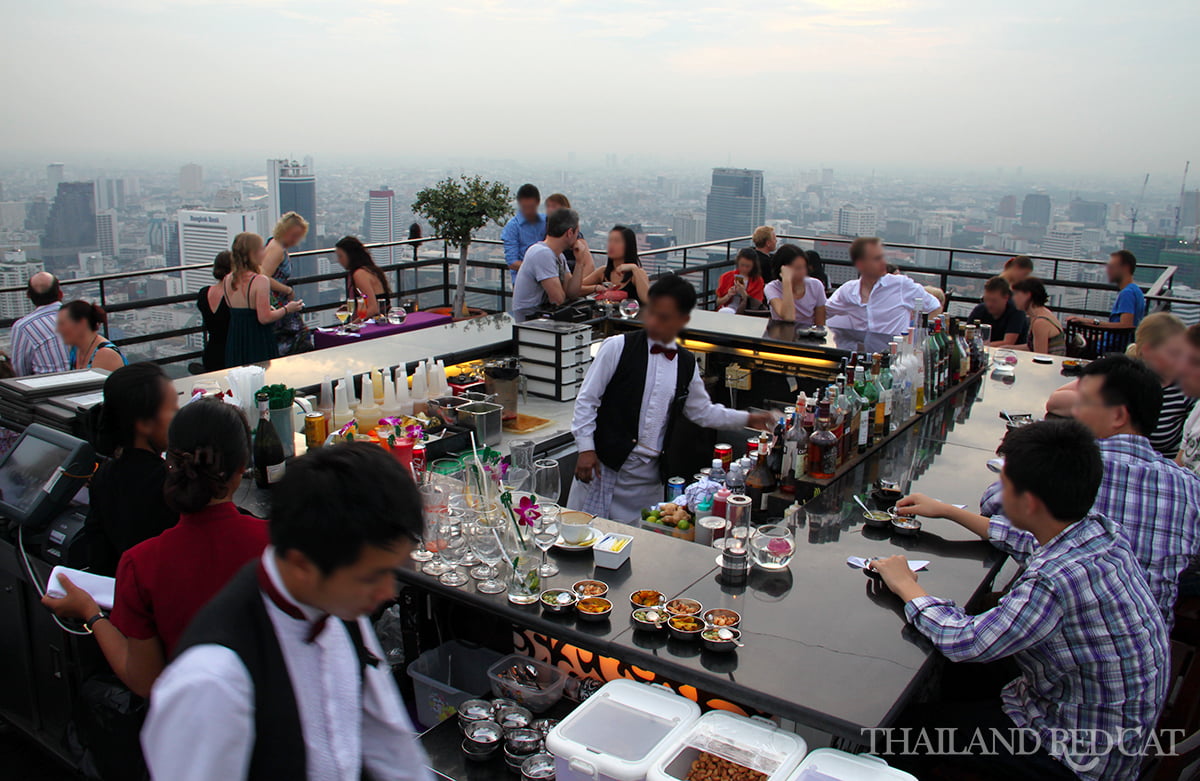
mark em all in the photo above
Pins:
pixel 1155 502
pixel 1079 621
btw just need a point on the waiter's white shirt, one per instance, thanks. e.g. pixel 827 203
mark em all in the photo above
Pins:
pixel 887 311
pixel 657 396
pixel 201 721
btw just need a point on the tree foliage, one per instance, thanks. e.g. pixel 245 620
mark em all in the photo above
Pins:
pixel 456 208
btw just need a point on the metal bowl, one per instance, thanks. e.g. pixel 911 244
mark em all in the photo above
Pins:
pixel 676 626
pixel 544 726
pixel 877 519
pixel 471 711
pixel 522 741
pixel 501 703
pixel 590 588
pixel 645 623
pixel 906 525
pixel 712 643
pixel 558 600
pixel 539 767
pixel 684 607
pixel 484 735
pixel 477 754
pixel 601 614
pixel 650 597
pixel 721 616
pixel 514 717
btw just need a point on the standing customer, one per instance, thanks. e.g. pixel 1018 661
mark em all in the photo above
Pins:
pixel 279 676
pixel 36 347
pixel 248 294
pixel 277 265
pixel 877 302
pixel 794 296
pixel 1016 269
pixel 79 324
pixel 526 228
pixel 214 313
pixel 765 243
pixel 1046 334
pixel 365 282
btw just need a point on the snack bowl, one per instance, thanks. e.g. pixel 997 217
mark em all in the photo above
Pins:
pixel 593 608
pixel 514 717
pixel 649 619
pixel 539 767
pixel 906 525
pixel 712 641
pixel 877 519
pixel 522 741
pixel 476 753
pixel 721 616
pixel 647 597
pixel 684 607
pixel 482 736
pixel 558 600
pixel 685 627
pixel 590 588
pixel 471 711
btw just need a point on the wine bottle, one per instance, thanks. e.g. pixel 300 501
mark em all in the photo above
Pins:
pixel 268 449
pixel 760 482
pixel 822 447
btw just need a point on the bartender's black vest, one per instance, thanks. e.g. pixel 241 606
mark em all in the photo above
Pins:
pixel 620 412
pixel 237 619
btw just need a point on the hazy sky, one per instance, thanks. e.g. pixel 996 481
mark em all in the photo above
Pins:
pixel 1086 85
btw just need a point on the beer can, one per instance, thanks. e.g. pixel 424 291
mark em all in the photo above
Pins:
pixel 316 430
pixel 752 446
pixel 674 488
pixel 724 452
pixel 418 460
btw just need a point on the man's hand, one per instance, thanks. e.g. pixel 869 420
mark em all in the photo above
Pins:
pixel 76 604
pixel 785 275
pixel 897 576
pixel 920 504
pixel 587 467
pixel 763 421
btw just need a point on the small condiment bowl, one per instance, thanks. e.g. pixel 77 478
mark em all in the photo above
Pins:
pixel 641 620
pixel 501 703
pixel 522 741
pixel 476 753
pixel 539 767
pixel 722 616
pixel 877 519
pixel 514 717
pixel 593 608
pixel 710 640
pixel 649 597
pixel 483 735
pixel 907 525
pixel 590 588
pixel 678 626
pixel 470 711
pixel 558 600
pixel 684 607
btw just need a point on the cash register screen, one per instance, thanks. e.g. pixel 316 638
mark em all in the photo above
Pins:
pixel 27 469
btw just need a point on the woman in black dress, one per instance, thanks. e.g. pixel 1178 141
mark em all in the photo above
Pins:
pixel 215 314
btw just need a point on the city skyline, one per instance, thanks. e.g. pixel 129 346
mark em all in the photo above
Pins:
pixel 1080 87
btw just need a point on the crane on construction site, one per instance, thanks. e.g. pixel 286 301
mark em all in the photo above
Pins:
pixel 1133 213
pixel 1182 195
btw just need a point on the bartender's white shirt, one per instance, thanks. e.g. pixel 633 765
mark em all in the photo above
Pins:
pixel 201 721
pixel 887 311
pixel 657 396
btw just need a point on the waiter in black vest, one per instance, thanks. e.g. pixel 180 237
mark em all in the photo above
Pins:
pixel 630 402
pixel 279 676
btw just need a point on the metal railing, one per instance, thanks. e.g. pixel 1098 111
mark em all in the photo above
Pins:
pixel 430 281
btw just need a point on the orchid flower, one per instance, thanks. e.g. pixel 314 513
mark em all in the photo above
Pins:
pixel 528 511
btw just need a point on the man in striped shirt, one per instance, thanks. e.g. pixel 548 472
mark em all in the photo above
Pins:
pixel 1079 622
pixel 36 347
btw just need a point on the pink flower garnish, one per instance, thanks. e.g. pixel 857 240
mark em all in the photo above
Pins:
pixel 779 546
pixel 528 511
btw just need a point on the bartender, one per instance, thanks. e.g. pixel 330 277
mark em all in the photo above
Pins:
pixel 629 403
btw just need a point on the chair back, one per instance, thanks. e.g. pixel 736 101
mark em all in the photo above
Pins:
pixel 1088 341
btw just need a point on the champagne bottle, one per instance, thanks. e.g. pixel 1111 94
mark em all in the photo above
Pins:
pixel 268 449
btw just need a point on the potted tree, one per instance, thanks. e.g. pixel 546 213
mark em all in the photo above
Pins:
pixel 455 210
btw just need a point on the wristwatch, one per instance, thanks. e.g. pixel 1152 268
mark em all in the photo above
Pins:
pixel 91 622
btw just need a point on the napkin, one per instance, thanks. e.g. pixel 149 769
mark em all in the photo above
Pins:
pixel 100 587
pixel 861 563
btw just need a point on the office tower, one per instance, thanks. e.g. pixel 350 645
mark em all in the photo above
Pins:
pixel 1061 243
pixel 292 187
pixel 108 233
pixel 379 223
pixel 1189 212
pixel 1090 214
pixel 1148 248
pixel 689 227
pixel 1035 210
pixel 205 232
pixel 191 180
pixel 1187 259
pixel 857 221
pixel 110 193
pixel 736 205
pixel 12 215
pixel 1008 206
pixel 54 175
pixel 15 270
pixel 71 225
pixel 37 212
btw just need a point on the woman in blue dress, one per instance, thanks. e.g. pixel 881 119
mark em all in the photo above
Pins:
pixel 290 331
pixel 247 293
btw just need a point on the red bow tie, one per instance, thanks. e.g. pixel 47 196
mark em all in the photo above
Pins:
pixel 667 352
pixel 281 602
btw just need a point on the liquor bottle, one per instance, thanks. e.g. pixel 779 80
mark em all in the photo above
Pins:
pixel 976 347
pixel 866 390
pixel 877 416
pixel 964 351
pixel 761 481
pixel 853 415
pixel 268 449
pixel 775 451
pixel 944 338
pixel 887 384
pixel 822 447
pixel 842 421
pixel 919 347
pixel 931 363
pixel 954 371
pixel 795 455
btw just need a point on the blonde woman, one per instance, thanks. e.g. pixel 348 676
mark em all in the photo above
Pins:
pixel 247 293
pixel 277 267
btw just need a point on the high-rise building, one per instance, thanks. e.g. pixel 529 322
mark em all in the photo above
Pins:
pixel 1187 258
pixel 108 233
pixel 203 233
pixel 1062 243
pixel 736 204
pixel 110 193
pixel 55 175
pixel 1090 214
pixel 1147 248
pixel 689 227
pixel 379 223
pixel 191 179
pixel 1035 210
pixel 71 224
pixel 1189 211
pixel 857 221
pixel 1008 206
pixel 292 187
pixel 16 270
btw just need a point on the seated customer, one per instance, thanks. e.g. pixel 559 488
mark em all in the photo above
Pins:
pixel 1046 334
pixel 214 313
pixel 544 277
pixel 1017 268
pixel 741 288
pixel 1079 621
pixel 79 324
pixel 1161 344
pixel 622 276
pixel 1009 324
pixel 1189 383
pixel 162 582
pixel 126 493
pixel 795 297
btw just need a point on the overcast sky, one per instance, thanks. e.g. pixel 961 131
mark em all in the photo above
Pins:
pixel 1083 85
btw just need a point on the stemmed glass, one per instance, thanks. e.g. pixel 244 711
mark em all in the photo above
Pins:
pixel 343 313
pixel 545 534
pixel 433 499
pixel 483 535
pixel 547 481
pixel 453 546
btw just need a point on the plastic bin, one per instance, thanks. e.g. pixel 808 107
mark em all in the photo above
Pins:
pixel 551 679
pixel 446 676
pixel 756 744
pixel 827 764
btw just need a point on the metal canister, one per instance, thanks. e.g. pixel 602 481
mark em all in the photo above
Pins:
pixel 316 430
pixel 724 451
pixel 418 461
pixel 752 446
pixel 675 488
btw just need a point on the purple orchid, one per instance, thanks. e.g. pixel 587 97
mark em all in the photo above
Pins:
pixel 528 511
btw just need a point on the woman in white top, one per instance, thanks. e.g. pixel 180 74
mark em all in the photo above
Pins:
pixel 795 297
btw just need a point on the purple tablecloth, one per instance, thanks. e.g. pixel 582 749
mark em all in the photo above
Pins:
pixel 414 322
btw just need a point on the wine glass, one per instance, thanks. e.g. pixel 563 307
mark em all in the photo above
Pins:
pixel 343 313
pixel 483 535
pixel 464 508
pixel 453 546
pixel 629 308
pixel 545 534
pixel 547 481
pixel 433 500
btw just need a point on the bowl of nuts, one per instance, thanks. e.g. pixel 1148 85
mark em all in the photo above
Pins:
pixel 720 616
pixel 684 607
pixel 590 588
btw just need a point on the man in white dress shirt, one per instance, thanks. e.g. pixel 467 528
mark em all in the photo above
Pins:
pixel 279 676
pixel 877 301
pixel 634 392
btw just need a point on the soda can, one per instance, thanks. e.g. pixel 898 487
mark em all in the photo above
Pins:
pixel 752 446
pixel 724 452
pixel 418 461
pixel 674 488
pixel 316 430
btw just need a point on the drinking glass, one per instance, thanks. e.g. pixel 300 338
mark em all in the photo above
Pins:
pixel 453 546
pixel 629 308
pixel 520 463
pixel 545 534
pixel 433 500
pixel 547 481
pixel 524 583
pixel 483 535
pixel 772 546
pixel 343 313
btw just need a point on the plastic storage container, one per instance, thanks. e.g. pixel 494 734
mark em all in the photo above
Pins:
pixel 827 764
pixel 615 733
pixel 752 743
pixel 550 679
pixel 446 676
